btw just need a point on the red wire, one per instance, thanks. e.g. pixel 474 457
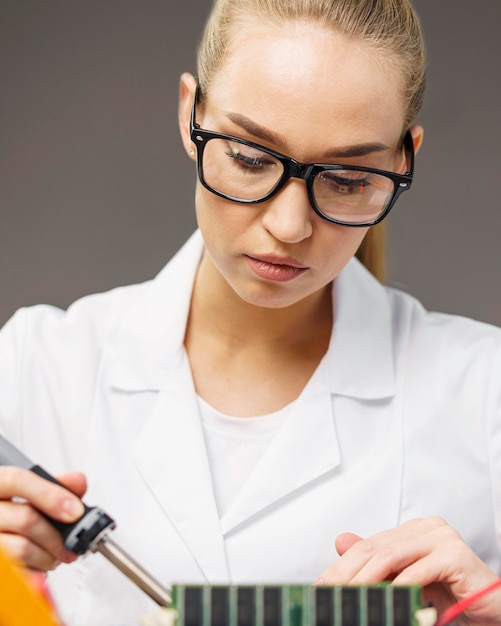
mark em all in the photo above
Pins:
pixel 458 608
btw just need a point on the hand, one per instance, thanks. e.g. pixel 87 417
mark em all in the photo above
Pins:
pixel 425 552
pixel 24 533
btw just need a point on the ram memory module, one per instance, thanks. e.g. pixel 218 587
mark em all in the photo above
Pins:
pixel 296 605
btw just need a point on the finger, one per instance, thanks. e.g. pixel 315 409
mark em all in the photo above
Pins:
pixel 76 482
pixel 54 500
pixel 352 560
pixel 342 543
pixel 397 549
pixel 25 521
pixel 462 582
pixel 27 553
pixel 380 556
pixel 453 563
pixel 345 541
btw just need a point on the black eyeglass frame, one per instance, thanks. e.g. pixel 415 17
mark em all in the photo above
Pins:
pixel 304 171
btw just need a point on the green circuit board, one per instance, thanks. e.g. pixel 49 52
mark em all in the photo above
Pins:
pixel 296 605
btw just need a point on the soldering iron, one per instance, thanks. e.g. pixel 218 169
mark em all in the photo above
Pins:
pixel 90 532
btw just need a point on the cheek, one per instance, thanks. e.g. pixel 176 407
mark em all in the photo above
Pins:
pixel 221 219
pixel 333 252
pixel 222 223
pixel 339 244
pixel 203 204
pixel 210 217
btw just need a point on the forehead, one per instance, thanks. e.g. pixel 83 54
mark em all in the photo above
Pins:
pixel 304 80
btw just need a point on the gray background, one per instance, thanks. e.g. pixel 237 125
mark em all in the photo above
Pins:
pixel 95 190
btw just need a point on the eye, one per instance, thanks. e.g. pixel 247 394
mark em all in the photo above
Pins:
pixel 246 161
pixel 345 181
pixel 249 158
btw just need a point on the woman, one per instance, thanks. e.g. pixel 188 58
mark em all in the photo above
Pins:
pixel 265 394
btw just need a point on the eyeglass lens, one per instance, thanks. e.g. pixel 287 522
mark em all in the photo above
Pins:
pixel 246 173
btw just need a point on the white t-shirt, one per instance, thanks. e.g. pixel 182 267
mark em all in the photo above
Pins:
pixel 234 447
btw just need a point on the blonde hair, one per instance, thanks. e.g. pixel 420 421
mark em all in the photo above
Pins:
pixel 389 26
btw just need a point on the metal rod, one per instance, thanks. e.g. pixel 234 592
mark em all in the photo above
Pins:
pixel 128 566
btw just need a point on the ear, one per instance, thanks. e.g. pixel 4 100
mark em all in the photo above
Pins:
pixel 417 137
pixel 417 140
pixel 187 85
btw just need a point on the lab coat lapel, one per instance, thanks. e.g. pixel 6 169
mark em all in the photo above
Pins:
pixel 304 449
pixel 147 354
pixel 180 476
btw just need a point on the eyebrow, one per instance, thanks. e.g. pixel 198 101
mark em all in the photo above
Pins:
pixel 261 132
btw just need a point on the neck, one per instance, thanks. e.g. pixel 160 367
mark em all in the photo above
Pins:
pixel 217 310
pixel 248 359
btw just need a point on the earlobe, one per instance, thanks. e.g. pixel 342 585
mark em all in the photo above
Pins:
pixel 187 85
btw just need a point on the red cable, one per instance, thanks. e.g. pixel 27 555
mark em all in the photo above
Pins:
pixel 461 606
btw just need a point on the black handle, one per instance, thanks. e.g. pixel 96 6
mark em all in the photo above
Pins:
pixel 79 536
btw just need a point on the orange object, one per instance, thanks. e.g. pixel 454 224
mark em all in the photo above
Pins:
pixel 21 602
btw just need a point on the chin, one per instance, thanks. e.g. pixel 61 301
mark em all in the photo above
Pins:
pixel 271 296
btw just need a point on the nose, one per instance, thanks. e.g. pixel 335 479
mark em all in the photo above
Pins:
pixel 288 215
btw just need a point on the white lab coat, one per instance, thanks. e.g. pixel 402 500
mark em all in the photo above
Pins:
pixel 401 419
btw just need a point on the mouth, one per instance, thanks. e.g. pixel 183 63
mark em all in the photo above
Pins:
pixel 276 268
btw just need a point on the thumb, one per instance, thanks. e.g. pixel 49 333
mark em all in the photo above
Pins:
pixel 344 542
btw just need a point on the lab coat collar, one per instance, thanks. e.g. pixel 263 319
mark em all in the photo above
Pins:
pixel 361 351
pixel 150 338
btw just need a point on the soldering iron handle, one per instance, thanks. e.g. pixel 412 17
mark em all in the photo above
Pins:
pixel 79 536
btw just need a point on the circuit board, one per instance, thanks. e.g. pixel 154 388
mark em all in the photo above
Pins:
pixel 296 605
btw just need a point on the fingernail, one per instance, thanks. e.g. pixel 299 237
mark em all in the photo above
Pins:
pixel 73 508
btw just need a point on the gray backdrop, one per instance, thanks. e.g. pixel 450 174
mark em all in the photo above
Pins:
pixel 95 190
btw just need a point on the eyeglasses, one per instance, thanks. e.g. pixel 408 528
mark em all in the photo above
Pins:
pixel 245 172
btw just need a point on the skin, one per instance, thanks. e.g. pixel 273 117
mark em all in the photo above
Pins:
pixel 265 338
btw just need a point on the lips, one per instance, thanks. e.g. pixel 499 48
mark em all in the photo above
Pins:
pixel 276 268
